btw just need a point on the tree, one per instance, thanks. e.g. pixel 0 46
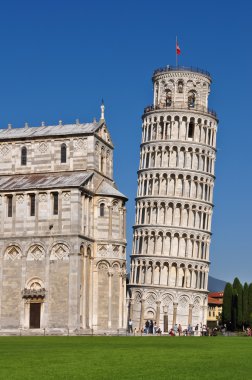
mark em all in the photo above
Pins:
pixel 250 304
pixel 238 302
pixel 227 304
pixel 234 309
pixel 245 304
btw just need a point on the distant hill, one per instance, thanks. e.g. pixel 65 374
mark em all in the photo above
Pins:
pixel 215 285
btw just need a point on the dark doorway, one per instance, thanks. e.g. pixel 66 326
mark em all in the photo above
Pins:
pixel 35 315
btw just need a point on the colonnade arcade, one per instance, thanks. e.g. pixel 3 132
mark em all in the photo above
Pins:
pixel 177 156
pixel 180 214
pixel 176 127
pixel 175 185
pixel 169 273
pixel 175 244
pixel 180 307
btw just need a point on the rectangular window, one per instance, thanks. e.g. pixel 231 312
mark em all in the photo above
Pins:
pixel 9 205
pixel 32 204
pixel 55 203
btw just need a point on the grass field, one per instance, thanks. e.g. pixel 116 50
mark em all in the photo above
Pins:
pixel 39 358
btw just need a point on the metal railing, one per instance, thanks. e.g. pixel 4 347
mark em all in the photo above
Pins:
pixel 180 106
pixel 181 68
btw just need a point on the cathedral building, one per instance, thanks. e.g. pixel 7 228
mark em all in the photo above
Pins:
pixel 172 231
pixel 62 231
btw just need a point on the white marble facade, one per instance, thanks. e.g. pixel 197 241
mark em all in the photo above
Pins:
pixel 62 231
pixel 172 231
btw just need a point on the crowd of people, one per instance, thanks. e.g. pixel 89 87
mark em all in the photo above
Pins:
pixel 152 328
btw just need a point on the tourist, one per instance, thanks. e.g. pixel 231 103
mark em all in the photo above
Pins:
pixel 155 328
pixel 130 326
pixel 171 332
pixel 197 330
pixel 159 331
pixel 175 329
pixel 151 327
pixel 204 330
pixel 189 329
pixel 147 326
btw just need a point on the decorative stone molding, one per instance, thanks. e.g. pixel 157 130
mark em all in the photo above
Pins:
pixel 60 251
pixel 5 149
pixel 20 198
pixel 13 253
pixel 33 293
pixel 80 144
pixel 66 195
pixel 43 197
pixel 43 147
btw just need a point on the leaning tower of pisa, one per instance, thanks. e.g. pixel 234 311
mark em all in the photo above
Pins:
pixel 172 231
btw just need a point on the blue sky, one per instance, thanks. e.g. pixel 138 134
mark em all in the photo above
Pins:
pixel 59 58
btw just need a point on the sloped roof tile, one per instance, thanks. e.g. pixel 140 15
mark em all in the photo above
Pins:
pixel 43 181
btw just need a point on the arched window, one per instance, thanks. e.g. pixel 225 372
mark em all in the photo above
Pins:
pixel 63 153
pixel 168 98
pixel 191 130
pixel 23 156
pixel 102 158
pixel 191 99
pixel 180 86
pixel 102 209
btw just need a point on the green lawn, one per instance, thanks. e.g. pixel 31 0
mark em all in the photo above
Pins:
pixel 39 358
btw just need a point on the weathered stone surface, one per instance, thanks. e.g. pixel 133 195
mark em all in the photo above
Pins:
pixel 170 258
pixel 61 251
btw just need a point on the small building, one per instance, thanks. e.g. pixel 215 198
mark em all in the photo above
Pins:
pixel 62 230
pixel 214 310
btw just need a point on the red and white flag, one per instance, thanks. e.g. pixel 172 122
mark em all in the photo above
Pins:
pixel 178 51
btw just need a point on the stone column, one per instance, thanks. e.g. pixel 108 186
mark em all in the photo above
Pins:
pixel 84 285
pixel 94 296
pixel 141 323
pixel 110 222
pixel 204 312
pixel 110 274
pixel 190 314
pixel 120 302
pixel 120 211
pixel 131 304
pixel 140 273
pixel 158 313
pixel 47 283
pixel 135 272
pixel 22 303
pixel 124 303
pixel 74 291
pixel 87 215
pixel 175 308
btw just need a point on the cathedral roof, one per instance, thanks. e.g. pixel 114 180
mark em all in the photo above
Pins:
pixel 48 130
pixel 106 189
pixel 43 181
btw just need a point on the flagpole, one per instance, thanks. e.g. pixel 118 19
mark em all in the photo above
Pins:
pixel 176 52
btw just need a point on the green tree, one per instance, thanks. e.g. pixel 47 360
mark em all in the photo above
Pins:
pixel 238 303
pixel 234 311
pixel 227 304
pixel 245 304
pixel 250 305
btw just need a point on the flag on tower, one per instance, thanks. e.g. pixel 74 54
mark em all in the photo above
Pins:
pixel 178 51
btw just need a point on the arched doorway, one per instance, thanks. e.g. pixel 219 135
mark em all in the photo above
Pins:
pixel 34 294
